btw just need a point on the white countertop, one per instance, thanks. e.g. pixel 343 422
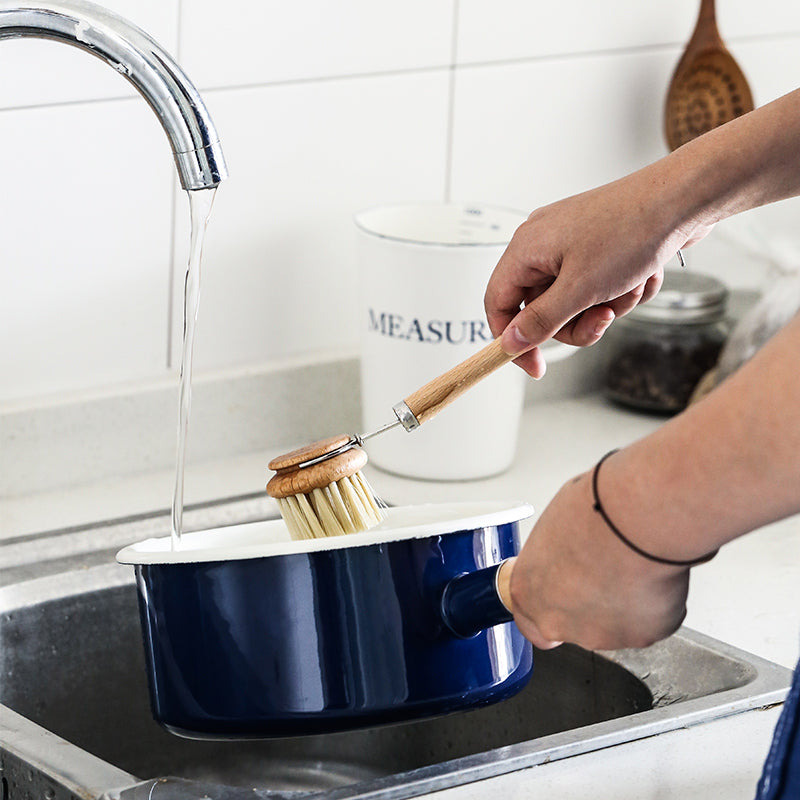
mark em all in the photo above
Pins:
pixel 748 596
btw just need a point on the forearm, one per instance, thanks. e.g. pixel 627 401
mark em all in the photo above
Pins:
pixel 749 162
pixel 727 465
pixel 577 264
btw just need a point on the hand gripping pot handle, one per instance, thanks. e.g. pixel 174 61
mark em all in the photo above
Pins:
pixel 478 600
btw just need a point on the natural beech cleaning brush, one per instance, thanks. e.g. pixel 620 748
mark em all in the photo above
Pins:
pixel 320 488
pixel 329 498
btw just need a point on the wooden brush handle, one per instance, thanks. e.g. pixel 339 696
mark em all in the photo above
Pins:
pixel 428 401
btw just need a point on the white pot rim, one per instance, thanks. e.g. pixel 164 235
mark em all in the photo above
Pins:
pixel 271 537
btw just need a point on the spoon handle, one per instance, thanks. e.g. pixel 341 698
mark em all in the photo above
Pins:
pixel 706 33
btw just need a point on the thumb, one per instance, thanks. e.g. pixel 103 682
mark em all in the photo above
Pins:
pixel 539 320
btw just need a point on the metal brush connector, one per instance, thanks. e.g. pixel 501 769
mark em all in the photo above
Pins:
pixel 406 416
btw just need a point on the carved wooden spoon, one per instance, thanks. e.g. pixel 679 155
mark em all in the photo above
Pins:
pixel 708 88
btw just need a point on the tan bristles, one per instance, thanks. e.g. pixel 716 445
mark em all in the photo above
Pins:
pixel 329 497
pixel 344 506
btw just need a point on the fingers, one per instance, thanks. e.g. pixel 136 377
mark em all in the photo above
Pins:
pixel 582 330
pixel 527 627
pixel 529 358
pixel 541 318
pixel 532 362
pixel 574 581
pixel 503 297
pixel 511 596
pixel 517 278
pixel 530 300
pixel 588 327
pixel 653 285
pixel 625 303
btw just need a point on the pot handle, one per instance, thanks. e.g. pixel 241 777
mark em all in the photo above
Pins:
pixel 474 601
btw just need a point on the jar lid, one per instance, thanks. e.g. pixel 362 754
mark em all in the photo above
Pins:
pixel 685 297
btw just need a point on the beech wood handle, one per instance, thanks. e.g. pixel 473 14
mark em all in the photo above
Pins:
pixel 474 601
pixel 504 583
pixel 428 401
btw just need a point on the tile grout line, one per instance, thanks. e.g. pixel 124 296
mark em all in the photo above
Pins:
pixel 171 268
pixel 488 63
pixel 451 101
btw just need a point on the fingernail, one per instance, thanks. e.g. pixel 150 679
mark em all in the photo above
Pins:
pixel 602 327
pixel 514 343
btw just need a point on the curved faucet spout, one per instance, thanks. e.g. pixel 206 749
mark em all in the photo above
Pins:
pixel 129 50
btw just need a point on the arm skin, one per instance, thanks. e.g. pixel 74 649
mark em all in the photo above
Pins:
pixel 727 465
pixel 579 263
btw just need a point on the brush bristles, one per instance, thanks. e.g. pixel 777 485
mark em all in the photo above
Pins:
pixel 344 506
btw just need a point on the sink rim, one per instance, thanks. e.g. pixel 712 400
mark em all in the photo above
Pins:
pixel 25 739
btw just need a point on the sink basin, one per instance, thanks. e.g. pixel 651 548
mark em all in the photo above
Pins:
pixel 75 718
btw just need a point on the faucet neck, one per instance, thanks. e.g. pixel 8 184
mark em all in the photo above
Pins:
pixel 154 73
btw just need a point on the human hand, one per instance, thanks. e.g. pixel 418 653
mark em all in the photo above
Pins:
pixel 574 581
pixel 579 263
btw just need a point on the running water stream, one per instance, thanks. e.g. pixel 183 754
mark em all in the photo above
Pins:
pixel 200 203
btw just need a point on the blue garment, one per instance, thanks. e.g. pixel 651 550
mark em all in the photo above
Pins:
pixel 780 779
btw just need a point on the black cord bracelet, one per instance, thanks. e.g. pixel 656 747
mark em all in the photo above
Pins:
pixel 598 507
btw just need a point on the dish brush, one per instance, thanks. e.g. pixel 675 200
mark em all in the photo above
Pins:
pixel 329 498
pixel 320 488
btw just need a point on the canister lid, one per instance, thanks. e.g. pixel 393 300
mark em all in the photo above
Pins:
pixel 441 224
pixel 685 297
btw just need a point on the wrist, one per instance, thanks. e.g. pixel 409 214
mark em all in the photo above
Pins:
pixel 685 195
pixel 597 505
pixel 640 494
pixel 746 163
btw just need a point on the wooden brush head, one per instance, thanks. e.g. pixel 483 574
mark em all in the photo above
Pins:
pixel 290 479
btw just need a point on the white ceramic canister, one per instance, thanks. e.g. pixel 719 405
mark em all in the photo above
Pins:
pixel 423 271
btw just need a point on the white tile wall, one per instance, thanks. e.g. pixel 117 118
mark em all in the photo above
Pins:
pixel 271 40
pixel 741 250
pixel 278 275
pixel 47 72
pixel 323 108
pixel 569 128
pixel 86 219
pixel 503 30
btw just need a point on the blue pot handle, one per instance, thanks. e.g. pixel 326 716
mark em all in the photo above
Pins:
pixel 474 601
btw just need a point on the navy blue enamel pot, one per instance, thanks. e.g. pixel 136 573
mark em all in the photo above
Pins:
pixel 249 634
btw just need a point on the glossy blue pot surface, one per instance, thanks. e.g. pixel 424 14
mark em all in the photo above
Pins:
pixel 313 642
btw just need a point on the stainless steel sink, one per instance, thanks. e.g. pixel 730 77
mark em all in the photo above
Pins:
pixel 75 719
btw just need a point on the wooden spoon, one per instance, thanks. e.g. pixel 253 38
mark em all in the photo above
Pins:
pixel 708 88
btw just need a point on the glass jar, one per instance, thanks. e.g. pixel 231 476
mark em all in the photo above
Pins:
pixel 661 350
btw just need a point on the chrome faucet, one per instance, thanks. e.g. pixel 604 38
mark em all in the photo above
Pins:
pixel 154 73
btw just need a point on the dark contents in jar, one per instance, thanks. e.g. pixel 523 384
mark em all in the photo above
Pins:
pixel 659 376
